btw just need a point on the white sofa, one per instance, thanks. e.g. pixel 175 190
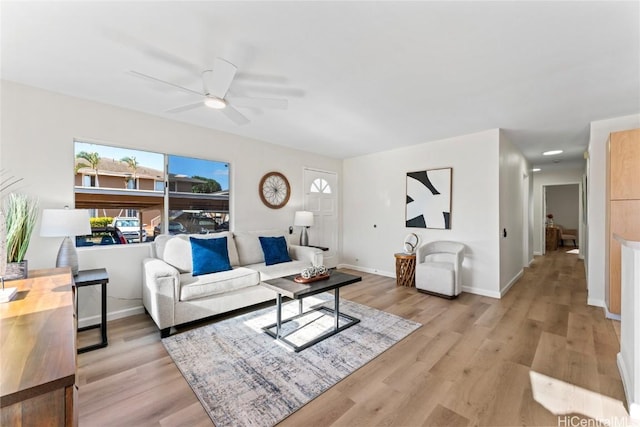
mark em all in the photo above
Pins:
pixel 173 296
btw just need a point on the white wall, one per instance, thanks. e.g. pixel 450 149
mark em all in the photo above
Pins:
pixel 514 170
pixel 374 196
pixel 540 180
pixel 596 201
pixel 38 129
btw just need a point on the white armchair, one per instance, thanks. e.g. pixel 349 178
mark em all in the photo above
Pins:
pixel 438 268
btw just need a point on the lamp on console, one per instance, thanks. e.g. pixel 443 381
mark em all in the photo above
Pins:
pixel 66 223
pixel 303 219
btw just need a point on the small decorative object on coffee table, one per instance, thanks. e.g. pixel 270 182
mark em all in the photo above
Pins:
pixel 312 274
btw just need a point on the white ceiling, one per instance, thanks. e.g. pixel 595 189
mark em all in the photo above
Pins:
pixel 360 77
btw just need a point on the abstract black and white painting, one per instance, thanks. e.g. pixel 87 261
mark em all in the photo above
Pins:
pixel 429 199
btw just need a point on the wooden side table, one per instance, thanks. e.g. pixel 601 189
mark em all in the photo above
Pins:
pixel 405 269
pixel 97 276
pixel 552 238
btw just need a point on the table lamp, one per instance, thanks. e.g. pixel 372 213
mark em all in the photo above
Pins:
pixel 66 223
pixel 303 219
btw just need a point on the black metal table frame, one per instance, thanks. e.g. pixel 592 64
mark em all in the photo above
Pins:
pixel 91 281
pixel 336 327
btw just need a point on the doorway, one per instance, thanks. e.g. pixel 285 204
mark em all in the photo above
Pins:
pixel 563 202
pixel 321 198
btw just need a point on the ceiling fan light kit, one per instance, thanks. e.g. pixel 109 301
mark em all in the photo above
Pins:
pixel 215 103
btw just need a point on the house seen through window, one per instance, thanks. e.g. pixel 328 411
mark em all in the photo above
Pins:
pixel 125 191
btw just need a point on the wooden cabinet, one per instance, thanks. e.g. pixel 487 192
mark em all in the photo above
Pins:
pixel 623 205
pixel 38 341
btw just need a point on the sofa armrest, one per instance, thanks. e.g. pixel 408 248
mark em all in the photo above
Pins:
pixel 160 290
pixel 306 253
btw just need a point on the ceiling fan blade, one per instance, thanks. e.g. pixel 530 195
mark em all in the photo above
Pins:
pixel 186 107
pixel 234 115
pixel 243 101
pixel 154 79
pixel 222 76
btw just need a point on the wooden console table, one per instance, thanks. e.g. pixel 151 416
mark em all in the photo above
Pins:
pixel 38 341
pixel 405 269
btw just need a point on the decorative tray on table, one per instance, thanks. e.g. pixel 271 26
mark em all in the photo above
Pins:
pixel 300 279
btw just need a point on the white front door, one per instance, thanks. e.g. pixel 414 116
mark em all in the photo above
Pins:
pixel 321 198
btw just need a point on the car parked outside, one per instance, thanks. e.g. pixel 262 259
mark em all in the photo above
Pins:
pixel 130 227
pixel 197 223
pixel 101 236
pixel 174 228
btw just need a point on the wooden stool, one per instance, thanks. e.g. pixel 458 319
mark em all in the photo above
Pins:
pixel 405 269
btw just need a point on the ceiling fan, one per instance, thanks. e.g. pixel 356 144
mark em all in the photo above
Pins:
pixel 215 93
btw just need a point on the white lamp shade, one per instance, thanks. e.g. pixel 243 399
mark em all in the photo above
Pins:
pixel 65 222
pixel 303 219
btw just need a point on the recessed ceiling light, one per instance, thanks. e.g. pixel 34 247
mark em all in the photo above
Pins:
pixel 536 169
pixel 551 153
pixel 213 102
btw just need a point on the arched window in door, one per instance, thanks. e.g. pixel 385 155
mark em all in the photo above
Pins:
pixel 320 185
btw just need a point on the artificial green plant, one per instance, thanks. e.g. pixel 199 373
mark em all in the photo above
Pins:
pixel 21 213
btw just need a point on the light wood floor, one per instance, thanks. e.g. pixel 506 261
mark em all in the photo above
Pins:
pixel 470 363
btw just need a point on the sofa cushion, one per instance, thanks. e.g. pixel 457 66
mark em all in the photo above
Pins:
pixel 268 272
pixel 176 250
pixel 274 250
pixel 209 255
pixel 194 287
pixel 248 244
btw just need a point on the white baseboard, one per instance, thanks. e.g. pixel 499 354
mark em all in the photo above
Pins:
pixel 468 289
pixel 113 315
pixel 537 253
pixel 595 302
pixel 481 292
pixel 634 407
pixel 511 283
pixel 368 270
pixel 610 315
pixel 493 294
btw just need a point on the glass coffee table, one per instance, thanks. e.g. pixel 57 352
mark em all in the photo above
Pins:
pixel 287 287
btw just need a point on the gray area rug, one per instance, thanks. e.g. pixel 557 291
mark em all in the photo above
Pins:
pixel 243 377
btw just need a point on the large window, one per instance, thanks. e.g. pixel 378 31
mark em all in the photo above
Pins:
pixel 125 191
pixel 198 195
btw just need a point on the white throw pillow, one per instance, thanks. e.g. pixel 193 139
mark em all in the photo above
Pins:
pixel 248 244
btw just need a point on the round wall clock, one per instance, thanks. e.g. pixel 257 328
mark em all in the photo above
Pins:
pixel 274 190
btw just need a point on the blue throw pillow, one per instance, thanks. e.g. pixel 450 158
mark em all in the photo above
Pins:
pixel 209 255
pixel 275 250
